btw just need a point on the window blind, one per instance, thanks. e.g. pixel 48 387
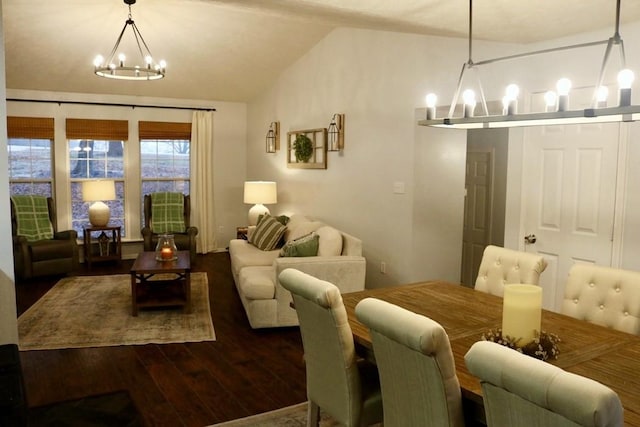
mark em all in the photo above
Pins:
pixel 108 130
pixel 164 130
pixel 30 127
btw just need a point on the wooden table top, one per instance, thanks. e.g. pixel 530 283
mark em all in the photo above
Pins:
pixel 608 356
pixel 146 263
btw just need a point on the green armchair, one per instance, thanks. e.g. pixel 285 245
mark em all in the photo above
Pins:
pixel 185 238
pixel 45 254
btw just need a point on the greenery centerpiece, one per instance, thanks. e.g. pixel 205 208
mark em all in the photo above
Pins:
pixel 303 148
pixel 544 345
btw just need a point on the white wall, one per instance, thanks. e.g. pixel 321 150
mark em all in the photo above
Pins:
pixel 377 79
pixel 229 151
pixel 8 321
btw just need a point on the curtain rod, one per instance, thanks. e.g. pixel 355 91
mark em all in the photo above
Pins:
pixel 108 104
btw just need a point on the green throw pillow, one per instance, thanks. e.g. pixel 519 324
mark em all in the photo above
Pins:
pixel 268 233
pixel 304 246
pixel 167 212
pixel 32 217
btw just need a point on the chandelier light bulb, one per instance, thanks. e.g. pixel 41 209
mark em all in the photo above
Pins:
pixel 625 78
pixel 602 94
pixel 469 98
pixel 511 96
pixel 563 86
pixel 431 101
pixel 512 91
pixel 121 58
pixel 163 64
pixel 98 61
pixel 550 101
pixel 550 98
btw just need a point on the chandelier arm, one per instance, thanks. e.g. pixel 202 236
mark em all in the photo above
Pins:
pixel 539 52
pixel 456 95
pixel 483 100
pixel 115 46
pixel 470 31
pixel 138 34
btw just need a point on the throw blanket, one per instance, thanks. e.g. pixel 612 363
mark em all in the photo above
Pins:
pixel 167 212
pixel 32 217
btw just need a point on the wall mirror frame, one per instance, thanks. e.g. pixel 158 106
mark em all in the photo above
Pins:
pixel 315 142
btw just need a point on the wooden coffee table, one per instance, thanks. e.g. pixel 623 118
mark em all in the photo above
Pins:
pixel 171 289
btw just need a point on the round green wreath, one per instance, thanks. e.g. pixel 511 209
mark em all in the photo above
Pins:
pixel 303 148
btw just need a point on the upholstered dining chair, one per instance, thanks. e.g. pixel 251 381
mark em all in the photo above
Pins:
pixel 605 296
pixel 39 249
pixel 417 371
pixel 520 391
pixel 169 213
pixel 338 382
pixel 501 266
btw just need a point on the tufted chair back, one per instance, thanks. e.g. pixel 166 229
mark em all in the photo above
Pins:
pixel 521 391
pixel 605 296
pixel 341 384
pixel 500 266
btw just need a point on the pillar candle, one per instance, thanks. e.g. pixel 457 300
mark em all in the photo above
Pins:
pixel 521 312
pixel 166 253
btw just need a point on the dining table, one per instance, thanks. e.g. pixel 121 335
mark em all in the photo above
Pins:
pixel 603 354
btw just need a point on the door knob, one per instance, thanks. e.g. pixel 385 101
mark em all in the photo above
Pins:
pixel 530 239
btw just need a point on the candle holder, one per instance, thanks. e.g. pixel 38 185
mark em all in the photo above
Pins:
pixel 166 249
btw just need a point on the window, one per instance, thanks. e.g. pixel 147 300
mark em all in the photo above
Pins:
pixel 164 156
pixel 96 151
pixel 30 155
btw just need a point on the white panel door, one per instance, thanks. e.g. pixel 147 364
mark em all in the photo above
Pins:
pixel 569 187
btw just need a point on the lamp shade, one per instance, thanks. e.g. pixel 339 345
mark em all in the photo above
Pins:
pixel 263 192
pixel 96 191
pixel 259 193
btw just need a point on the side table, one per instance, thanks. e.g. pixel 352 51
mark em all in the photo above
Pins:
pixel 241 232
pixel 106 246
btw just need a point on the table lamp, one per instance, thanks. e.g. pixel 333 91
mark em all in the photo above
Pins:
pixel 98 191
pixel 259 193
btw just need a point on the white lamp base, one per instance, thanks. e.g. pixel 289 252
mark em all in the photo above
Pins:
pixel 99 214
pixel 255 211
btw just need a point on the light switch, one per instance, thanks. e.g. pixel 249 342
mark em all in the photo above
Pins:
pixel 398 187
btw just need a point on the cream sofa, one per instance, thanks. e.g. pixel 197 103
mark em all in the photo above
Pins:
pixel 256 272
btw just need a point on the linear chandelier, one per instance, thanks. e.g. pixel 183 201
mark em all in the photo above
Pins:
pixel 147 69
pixel 556 109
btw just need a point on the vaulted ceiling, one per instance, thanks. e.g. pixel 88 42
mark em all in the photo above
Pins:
pixel 231 50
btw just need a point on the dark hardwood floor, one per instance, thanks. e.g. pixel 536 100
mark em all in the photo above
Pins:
pixel 243 372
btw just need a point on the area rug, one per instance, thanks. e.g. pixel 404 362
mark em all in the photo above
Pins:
pixel 291 416
pixel 95 311
pixel 111 409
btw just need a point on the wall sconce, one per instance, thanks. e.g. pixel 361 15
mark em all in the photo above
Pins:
pixel 273 137
pixel 335 133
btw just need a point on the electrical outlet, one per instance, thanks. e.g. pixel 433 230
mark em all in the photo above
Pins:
pixel 383 267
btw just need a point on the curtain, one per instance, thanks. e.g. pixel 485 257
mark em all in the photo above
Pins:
pixel 202 201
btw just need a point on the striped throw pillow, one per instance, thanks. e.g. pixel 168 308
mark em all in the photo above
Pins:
pixel 268 233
